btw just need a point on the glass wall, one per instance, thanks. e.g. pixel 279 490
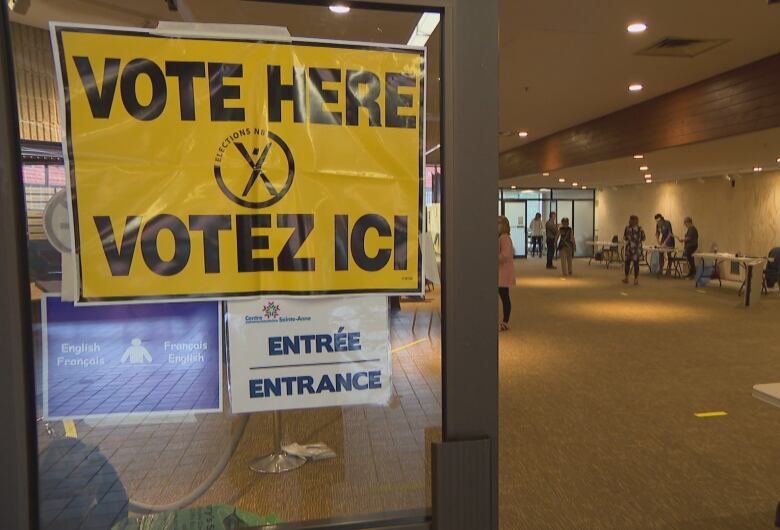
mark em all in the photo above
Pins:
pixel 577 205
pixel 109 455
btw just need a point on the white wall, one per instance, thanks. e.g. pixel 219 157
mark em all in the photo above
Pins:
pixel 744 218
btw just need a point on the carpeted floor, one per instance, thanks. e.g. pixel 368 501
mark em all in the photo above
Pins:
pixel 599 385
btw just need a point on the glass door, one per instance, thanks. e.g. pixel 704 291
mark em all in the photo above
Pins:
pixel 120 414
pixel 516 212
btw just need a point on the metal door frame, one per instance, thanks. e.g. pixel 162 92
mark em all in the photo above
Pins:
pixel 465 475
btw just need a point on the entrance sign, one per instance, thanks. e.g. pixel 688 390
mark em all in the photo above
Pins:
pixel 223 168
pixel 120 359
pixel 289 353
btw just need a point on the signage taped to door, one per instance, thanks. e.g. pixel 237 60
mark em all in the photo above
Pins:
pixel 151 358
pixel 213 168
pixel 287 353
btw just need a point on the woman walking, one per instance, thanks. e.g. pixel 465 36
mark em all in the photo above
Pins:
pixel 537 235
pixel 506 270
pixel 566 246
pixel 633 235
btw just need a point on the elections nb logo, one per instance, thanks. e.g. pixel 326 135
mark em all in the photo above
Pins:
pixel 254 168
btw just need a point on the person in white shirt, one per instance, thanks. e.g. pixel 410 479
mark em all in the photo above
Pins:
pixel 537 235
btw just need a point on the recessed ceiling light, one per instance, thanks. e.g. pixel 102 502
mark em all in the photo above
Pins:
pixel 649 181
pixel 639 157
pixel 778 160
pixel 758 168
pixel 643 168
pixel 574 184
pixel 424 29
pixel 584 187
pixel 522 134
pixel 513 187
pixel 637 27
pixel 648 175
pixel 561 180
pixel 635 87
pixel 339 8
pixel 545 174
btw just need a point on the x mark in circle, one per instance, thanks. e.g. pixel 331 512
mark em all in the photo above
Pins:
pixel 257 168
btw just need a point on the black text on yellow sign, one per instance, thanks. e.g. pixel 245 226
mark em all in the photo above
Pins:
pixel 215 168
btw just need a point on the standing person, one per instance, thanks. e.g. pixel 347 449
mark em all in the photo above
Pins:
pixel 690 246
pixel 633 235
pixel 566 246
pixel 665 236
pixel 537 234
pixel 551 230
pixel 506 270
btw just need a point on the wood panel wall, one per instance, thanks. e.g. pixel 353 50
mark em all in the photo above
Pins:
pixel 739 101
pixel 36 86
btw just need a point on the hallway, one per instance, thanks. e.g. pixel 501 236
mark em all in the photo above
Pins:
pixel 599 385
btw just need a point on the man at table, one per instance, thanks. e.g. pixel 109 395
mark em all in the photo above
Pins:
pixel 690 245
pixel 665 235
pixel 551 231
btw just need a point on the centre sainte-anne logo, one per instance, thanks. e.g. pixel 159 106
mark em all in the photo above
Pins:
pixel 271 310
pixel 254 168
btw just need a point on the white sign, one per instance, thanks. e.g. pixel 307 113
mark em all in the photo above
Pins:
pixel 287 353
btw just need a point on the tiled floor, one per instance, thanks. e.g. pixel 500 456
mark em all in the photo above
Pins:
pixel 382 459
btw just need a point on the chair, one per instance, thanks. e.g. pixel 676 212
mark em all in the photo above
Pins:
pixel 772 271
pixel 612 252
pixel 680 264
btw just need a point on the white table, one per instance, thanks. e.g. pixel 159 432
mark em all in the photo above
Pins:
pixel 768 393
pixel 746 262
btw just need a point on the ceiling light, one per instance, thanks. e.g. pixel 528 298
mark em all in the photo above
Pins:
pixel 522 134
pixel 637 27
pixel 527 191
pixel 339 8
pixel 778 160
pixel 635 87
pixel 649 181
pixel 544 189
pixel 643 168
pixel 584 187
pixel 639 157
pixel 561 180
pixel 758 168
pixel 547 174
pixel 424 29
pixel 574 184
pixel 648 175
pixel 513 187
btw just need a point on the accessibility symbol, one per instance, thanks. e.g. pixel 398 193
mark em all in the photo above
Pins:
pixel 245 158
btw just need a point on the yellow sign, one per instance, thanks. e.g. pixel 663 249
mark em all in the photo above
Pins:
pixel 202 167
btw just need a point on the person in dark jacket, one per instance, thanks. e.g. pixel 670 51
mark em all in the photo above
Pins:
pixel 690 246
pixel 551 232
pixel 665 235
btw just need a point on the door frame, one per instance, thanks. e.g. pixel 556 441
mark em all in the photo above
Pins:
pixel 470 259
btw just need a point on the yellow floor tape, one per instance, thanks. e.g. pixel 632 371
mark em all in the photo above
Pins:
pixel 710 414
pixel 70 428
pixel 399 348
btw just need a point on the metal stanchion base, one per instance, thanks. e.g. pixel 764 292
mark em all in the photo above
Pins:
pixel 278 462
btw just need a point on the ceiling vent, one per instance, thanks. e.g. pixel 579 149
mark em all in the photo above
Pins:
pixel 681 47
